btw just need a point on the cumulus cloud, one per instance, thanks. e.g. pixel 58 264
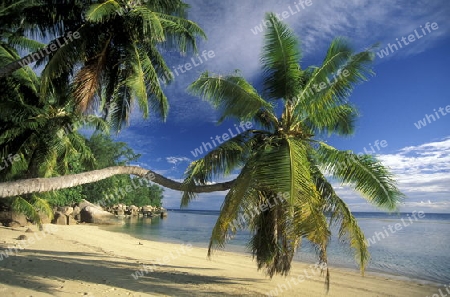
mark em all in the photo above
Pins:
pixel 176 160
pixel 422 172
pixel 235 46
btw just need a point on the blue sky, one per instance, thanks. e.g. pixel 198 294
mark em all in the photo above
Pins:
pixel 410 83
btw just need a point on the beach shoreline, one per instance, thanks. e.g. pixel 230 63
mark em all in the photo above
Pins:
pixel 85 260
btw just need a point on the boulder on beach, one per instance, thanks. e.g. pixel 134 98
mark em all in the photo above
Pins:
pixel 71 221
pixel 147 210
pixel 13 219
pixel 91 213
pixel 134 210
pixel 67 210
pixel 76 212
pixel 119 212
pixel 59 218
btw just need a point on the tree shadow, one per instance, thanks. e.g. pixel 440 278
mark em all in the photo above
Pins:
pixel 96 268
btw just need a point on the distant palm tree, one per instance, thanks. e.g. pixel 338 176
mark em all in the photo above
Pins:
pixel 286 156
pixel 117 58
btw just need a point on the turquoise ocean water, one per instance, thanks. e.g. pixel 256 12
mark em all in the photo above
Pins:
pixel 418 248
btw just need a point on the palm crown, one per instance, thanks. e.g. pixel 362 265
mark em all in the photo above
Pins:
pixel 116 61
pixel 41 134
pixel 282 157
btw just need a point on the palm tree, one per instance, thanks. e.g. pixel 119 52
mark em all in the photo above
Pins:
pixel 38 136
pixel 286 156
pixel 12 28
pixel 42 131
pixel 117 58
pixel 31 122
pixel 115 61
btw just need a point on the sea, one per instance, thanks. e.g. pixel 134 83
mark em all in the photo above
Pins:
pixel 406 246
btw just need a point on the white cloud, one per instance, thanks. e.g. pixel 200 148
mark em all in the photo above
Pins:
pixel 422 173
pixel 364 22
pixel 176 160
pixel 230 36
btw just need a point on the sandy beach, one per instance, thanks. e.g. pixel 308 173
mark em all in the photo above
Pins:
pixel 83 260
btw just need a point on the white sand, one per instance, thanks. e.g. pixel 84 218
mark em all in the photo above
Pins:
pixel 85 260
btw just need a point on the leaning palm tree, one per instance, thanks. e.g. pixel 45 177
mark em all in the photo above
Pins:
pixel 285 157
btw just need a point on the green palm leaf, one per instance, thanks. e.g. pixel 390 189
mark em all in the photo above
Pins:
pixel 180 32
pixel 219 162
pixel 233 202
pixel 282 167
pixel 232 95
pixel 157 98
pixel 342 216
pixel 24 43
pixel 280 59
pixel 151 23
pixel 367 174
pixel 323 102
pixel 102 12
pixel 32 209
pixel 339 119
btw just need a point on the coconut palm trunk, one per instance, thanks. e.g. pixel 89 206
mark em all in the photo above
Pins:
pixel 41 185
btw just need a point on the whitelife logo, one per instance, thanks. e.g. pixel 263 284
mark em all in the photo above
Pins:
pixel 208 146
pixel 411 38
pixel 52 47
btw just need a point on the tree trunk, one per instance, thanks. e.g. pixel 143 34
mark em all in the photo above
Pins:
pixel 39 185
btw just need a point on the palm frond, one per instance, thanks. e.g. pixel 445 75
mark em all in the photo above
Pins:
pixel 151 24
pixel 159 64
pixel 229 211
pixel 280 58
pixel 87 80
pixel 338 54
pixel 232 95
pixel 101 12
pixel 341 215
pixel 63 61
pixel 158 100
pixel 281 167
pixel 219 162
pixel 32 208
pixel 329 88
pixel 339 120
pixel 136 82
pixel 180 32
pixel 266 120
pixel 22 206
pixel 42 206
pixel 365 172
pixel 23 43
pixel 120 108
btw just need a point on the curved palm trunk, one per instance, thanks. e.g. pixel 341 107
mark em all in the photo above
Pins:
pixel 39 185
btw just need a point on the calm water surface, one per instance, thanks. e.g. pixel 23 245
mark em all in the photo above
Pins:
pixel 419 250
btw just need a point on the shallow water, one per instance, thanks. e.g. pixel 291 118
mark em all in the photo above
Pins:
pixel 419 249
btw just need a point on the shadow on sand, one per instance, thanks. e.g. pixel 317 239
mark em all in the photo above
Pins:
pixel 95 268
